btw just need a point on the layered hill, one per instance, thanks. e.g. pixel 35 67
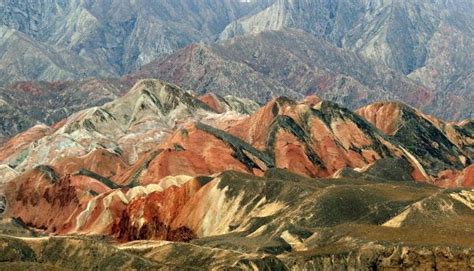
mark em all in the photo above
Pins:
pixel 311 137
pixel 128 126
pixel 28 103
pixel 349 52
pixel 234 220
pixel 222 179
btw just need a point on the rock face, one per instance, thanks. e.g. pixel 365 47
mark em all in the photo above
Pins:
pixel 223 184
pixel 441 147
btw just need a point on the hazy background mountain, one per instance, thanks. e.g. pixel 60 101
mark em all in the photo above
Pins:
pixel 294 63
pixel 288 62
pixel 349 51
pixel 118 35
pixel 431 41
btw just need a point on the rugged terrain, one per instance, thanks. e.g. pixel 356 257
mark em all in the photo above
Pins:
pixel 261 67
pixel 164 178
pixel 295 64
pixel 351 52
pixel 413 37
pixel 53 39
pixel 281 135
pixel 27 103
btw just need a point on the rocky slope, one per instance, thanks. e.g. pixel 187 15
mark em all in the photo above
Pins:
pixel 27 103
pixel 129 125
pixel 118 35
pixel 435 144
pixel 311 137
pixel 350 52
pixel 223 183
pixel 295 64
pixel 268 65
pixel 22 58
pixel 428 41
pixel 280 221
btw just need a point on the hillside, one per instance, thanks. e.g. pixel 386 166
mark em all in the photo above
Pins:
pixel 221 178
pixel 292 63
pixel 119 36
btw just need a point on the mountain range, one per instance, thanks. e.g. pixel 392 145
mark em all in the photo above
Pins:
pixel 236 135
pixel 276 186
pixel 117 36
pixel 350 52
pixel 267 65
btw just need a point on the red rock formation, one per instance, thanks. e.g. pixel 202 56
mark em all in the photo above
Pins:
pixel 442 148
pixel 193 152
pixel 151 217
pixel 254 129
pixel 22 140
pixel 97 191
pixel 455 178
pixel 212 101
pixel 99 161
pixel 43 201
pixel 382 115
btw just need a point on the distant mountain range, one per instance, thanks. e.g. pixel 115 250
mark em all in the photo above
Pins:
pixel 351 52
pixel 56 39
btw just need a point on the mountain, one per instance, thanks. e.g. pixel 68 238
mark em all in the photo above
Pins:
pixel 118 36
pixel 295 64
pixel 13 119
pixel 429 41
pixel 22 58
pixel 210 134
pixel 350 52
pixel 281 135
pixel 161 171
pixel 127 125
pixel 27 103
pixel 282 63
pixel 435 141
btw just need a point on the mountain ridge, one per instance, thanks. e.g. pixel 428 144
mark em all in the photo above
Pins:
pixel 160 170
